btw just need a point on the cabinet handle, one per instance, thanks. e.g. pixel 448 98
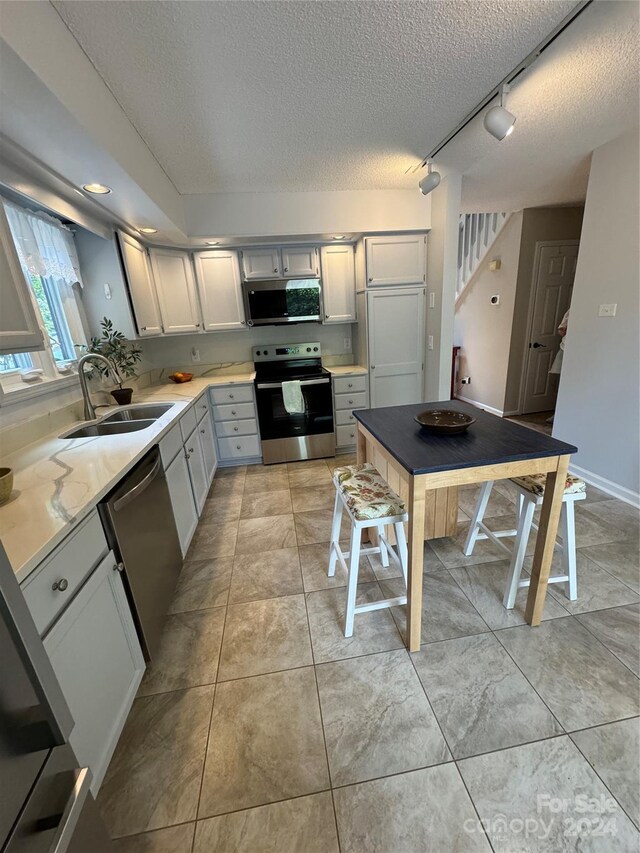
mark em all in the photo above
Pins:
pixel 373 367
pixel 190 451
pixel 202 431
pixel 326 316
pixel 232 412
pixel 353 435
pixel 242 323
pixel 286 269
pixel 143 328
pixel 60 585
pixel 351 402
pixel 238 447
pixel 275 269
pixel 118 567
pixel 231 396
pixel 371 279
pixel 187 454
pixel 350 385
pixel 235 429
pixel 197 325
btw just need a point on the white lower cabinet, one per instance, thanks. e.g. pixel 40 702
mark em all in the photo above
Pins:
pixel 197 473
pixel 235 423
pixel 182 501
pixel 96 656
pixel 208 442
pixel 350 392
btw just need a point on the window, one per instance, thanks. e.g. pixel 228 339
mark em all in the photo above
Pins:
pixel 50 265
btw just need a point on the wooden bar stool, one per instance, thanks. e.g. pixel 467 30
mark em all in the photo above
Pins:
pixel 530 495
pixel 369 502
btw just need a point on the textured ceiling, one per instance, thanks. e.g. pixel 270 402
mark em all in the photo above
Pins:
pixel 315 95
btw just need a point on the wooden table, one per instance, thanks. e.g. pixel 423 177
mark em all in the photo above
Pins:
pixel 414 462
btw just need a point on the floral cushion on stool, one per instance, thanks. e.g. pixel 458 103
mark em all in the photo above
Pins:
pixel 367 494
pixel 535 483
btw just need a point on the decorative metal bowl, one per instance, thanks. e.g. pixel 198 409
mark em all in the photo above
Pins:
pixel 181 377
pixel 444 421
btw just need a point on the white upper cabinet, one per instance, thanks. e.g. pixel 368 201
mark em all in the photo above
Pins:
pixel 396 260
pixel 19 328
pixel 176 291
pixel 218 281
pixel 140 281
pixel 261 263
pixel 300 262
pixel 338 284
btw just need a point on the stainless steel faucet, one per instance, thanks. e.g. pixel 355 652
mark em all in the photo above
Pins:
pixel 89 409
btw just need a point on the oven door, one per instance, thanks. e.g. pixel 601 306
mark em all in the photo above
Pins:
pixel 269 303
pixel 276 422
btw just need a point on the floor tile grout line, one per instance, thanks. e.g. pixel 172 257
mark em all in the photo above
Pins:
pixel 602 643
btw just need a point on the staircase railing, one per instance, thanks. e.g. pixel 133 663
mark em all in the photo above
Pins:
pixel 477 233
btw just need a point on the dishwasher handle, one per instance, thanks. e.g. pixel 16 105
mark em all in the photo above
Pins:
pixel 139 489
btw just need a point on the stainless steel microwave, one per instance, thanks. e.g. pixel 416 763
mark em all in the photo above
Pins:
pixel 279 301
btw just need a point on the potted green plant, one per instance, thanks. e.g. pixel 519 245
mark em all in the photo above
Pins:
pixel 123 354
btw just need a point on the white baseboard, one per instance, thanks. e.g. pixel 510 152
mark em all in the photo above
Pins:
pixel 480 405
pixel 613 489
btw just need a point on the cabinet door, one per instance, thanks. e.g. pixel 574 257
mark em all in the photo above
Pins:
pixel 261 263
pixel 197 473
pixel 338 284
pixel 96 656
pixel 208 444
pixel 176 291
pixel 19 327
pixel 396 260
pixel 300 262
pixel 140 281
pixel 218 280
pixel 182 502
pixel 396 321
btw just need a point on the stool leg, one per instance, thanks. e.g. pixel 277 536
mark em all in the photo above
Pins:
pixel 335 535
pixel 401 539
pixel 352 585
pixel 478 515
pixel 568 528
pixel 384 556
pixel 519 550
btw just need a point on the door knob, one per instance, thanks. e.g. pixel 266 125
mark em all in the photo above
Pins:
pixel 536 345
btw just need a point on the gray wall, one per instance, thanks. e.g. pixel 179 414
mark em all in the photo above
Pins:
pixel 599 397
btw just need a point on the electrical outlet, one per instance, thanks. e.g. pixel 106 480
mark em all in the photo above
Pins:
pixel 608 310
pixel 430 342
pixel 195 355
pixel 347 344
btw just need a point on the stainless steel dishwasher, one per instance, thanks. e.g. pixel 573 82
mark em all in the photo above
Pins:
pixel 140 527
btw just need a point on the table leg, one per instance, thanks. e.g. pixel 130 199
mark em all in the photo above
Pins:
pixel 361 448
pixel 545 541
pixel 416 560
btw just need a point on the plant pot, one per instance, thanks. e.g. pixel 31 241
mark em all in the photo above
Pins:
pixel 122 396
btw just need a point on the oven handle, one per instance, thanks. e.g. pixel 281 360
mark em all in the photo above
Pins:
pixel 269 385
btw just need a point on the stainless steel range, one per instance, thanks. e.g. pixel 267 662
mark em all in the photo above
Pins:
pixel 287 436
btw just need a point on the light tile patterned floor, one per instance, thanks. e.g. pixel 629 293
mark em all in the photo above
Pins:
pixel 260 728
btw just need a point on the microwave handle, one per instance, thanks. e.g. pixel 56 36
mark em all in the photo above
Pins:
pixel 269 385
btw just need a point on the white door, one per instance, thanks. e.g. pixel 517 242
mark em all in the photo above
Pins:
pixel 176 291
pixel 261 263
pixel 554 271
pixel 220 289
pixel 197 472
pixel 338 284
pixel 96 656
pixel 208 442
pixel 396 321
pixel 182 502
pixel 396 260
pixel 300 262
pixel 141 288
pixel 19 327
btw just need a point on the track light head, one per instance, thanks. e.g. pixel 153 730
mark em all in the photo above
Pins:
pixel 499 122
pixel 429 182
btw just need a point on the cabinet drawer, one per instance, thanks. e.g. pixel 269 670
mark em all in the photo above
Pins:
pixel 344 417
pixel 234 411
pixel 72 561
pixel 351 401
pixel 201 407
pixel 231 428
pixel 170 445
pixel 188 422
pixel 232 394
pixel 238 448
pixel 346 435
pixel 349 384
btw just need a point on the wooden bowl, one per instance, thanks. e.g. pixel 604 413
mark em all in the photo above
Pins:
pixel 6 484
pixel 181 377
pixel 444 421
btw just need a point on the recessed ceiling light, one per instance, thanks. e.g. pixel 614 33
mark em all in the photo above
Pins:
pixel 212 242
pixel 148 230
pixel 97 189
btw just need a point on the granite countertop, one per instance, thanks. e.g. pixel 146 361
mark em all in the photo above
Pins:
pixel 57 482
pixel 346 369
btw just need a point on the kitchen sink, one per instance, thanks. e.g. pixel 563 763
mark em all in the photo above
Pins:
pixel 138 413
pixel 114 428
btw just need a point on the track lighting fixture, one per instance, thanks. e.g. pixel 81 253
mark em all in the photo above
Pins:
pixel 430 181
pixel 498 121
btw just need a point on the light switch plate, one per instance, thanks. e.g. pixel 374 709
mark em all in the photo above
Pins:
pixel 432 299
pixel 430 342
pixel 608 310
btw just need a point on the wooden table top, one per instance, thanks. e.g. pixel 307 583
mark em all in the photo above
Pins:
pixel 489 441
